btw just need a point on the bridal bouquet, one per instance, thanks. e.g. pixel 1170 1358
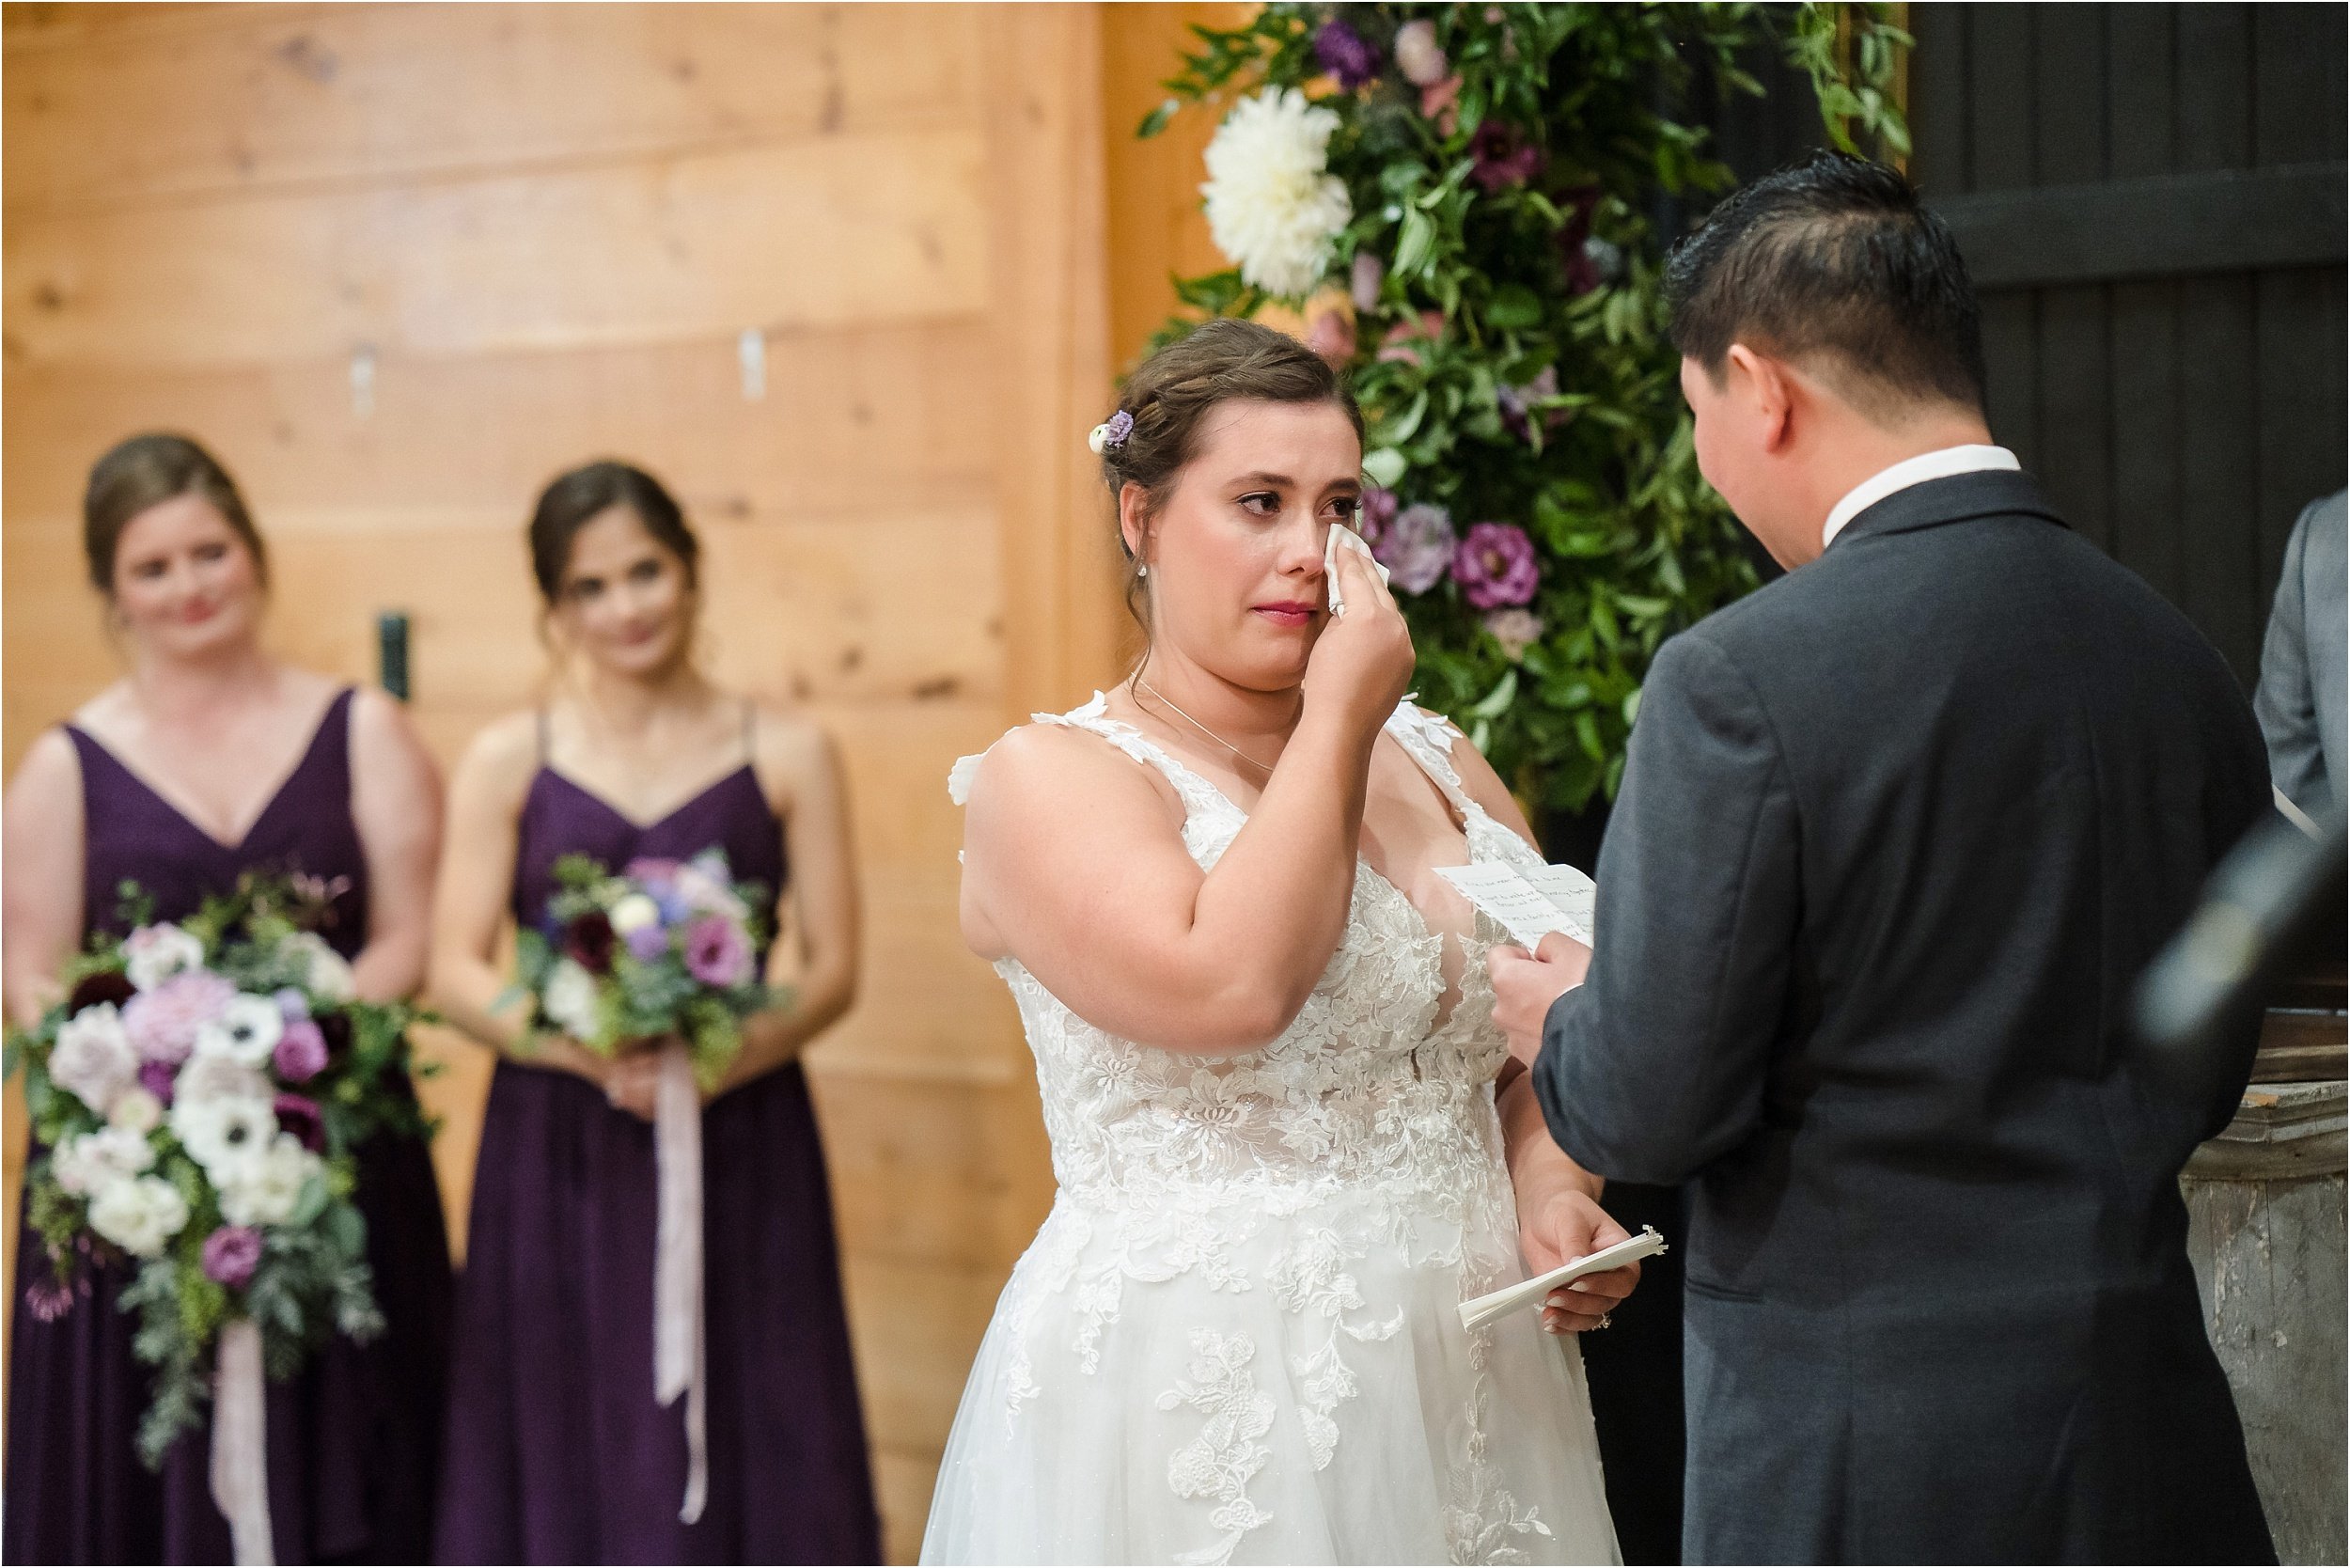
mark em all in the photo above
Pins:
pixel 198 1101
pixel 666 946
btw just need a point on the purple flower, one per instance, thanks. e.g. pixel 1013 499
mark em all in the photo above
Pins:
pixel 1515 398
pixel 1516 630
pixel 1504 157
pixel 162 1022
pixel 292 1003
pixel 301 1053
pixel 717 952
pixel 156 1077
pixel 1494 565
pixel 300 1116
pixel 1376 516
pixel 1369 277
pixel 231 1254
pixel 1418 547
pixel 50 1299
pixel 647 943
pixel 1344 55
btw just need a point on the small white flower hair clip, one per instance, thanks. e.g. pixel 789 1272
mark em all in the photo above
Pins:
pixel 1111 434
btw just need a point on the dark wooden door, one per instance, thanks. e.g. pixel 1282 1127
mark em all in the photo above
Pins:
pixel 2151 199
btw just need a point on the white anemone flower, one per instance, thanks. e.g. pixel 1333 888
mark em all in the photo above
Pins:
pixel 139 1214
pixel 224 1135
pixel 152 954
pixel 94 1160
pixel 94 1057
pixel 246 1030
pixel 263 1190
pixel 1273 204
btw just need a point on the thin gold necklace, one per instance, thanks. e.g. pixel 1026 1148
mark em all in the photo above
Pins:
pixel 1265 768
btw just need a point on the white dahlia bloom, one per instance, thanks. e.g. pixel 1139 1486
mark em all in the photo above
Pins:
pixel 90 1163
pixel 263 1190
pixel 94 1057
pixel 1273 204
pixel 138 1215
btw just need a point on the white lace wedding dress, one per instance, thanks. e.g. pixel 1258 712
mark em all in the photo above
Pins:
pixel 1235 1339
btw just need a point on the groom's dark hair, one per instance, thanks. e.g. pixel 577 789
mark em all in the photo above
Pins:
pixel 1833 258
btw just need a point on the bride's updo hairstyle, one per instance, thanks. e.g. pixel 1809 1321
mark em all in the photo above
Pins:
pixel 568 504
pixel 1173 391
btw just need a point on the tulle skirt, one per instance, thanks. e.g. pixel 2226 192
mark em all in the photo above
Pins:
pixel 1292 1398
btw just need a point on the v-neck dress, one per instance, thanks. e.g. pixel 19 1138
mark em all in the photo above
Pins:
pixel 557 1451
pixel 354 1439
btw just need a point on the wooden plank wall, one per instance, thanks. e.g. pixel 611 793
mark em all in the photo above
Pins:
pixel 547 227
pixel 2180 422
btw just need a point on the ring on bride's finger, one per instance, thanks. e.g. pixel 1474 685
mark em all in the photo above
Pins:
pixel 1605 1318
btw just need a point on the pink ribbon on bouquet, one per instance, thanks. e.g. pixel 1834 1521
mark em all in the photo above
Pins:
pixel 241 1443
pixel 677 1351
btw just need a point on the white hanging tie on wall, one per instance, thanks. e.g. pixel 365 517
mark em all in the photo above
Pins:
pixel 363 381
pixel 750 349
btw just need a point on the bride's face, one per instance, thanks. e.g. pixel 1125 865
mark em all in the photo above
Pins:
pixel 1235 552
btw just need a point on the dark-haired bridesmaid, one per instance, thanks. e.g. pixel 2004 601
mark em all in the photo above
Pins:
pixel 207 760
pixel 558 1451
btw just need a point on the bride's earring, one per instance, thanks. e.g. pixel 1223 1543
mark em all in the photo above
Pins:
pixel 1143 570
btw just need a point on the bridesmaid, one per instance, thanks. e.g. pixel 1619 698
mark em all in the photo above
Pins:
pixel 556 1450
pixel 208 759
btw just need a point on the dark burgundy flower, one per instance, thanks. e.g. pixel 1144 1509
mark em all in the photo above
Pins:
pixel 589 941
pixel 300 1116
pixel 107 985
pixel 1345 56
pixel 1574 258
pixel 1504 157
pixel 335 1028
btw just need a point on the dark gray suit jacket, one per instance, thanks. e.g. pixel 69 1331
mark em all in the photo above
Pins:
pixel 1896 834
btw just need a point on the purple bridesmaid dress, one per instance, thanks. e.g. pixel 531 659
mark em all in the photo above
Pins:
pixel 557 1451
pixel 354 1439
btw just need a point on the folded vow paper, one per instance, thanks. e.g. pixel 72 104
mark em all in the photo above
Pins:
pixel 1529 904
pixel 1478 1313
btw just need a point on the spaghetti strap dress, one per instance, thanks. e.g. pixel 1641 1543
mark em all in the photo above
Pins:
pixel 355 1438
pixel 557 1451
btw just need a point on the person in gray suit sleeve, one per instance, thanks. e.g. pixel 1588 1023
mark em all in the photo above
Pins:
pixel 2301 700
pixel 1897 833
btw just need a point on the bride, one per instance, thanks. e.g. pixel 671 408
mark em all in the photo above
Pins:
pixel 1262 1033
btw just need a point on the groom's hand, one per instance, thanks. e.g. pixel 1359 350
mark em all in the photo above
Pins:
pixel 1524 985
pixel 1568 1225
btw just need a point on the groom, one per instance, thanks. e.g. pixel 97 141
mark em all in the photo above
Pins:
pixel 1896 834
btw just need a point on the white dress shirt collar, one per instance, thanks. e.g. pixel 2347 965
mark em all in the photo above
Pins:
pixel 1917 470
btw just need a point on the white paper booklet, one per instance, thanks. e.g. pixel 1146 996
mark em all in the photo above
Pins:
pixel 1529 904
pixel 1478 1313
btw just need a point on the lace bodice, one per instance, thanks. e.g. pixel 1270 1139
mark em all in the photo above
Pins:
pixel 1366 1086
pixel 1253 1265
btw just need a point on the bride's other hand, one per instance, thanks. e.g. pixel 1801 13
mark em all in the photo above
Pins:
pixel 1361 661
pixel 1525 984
pixel 1560 1228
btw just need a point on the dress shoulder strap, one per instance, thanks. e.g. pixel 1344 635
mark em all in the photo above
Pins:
pixel 1427 738
pixel 1196 793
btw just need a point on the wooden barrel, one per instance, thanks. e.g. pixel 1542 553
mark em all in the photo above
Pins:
pixel 2265 1222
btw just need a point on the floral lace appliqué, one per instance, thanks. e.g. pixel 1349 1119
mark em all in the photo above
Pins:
pixel 1226 1456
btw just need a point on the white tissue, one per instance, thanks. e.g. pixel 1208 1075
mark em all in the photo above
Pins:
pixel 1343 538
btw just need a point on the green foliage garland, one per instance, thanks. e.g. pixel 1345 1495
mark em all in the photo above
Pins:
pixel 1508 339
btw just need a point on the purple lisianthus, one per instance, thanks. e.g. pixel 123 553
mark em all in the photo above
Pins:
pixel 301 1051
pixel 1377 515
pixel 231 1254
pixel 1504 156
pixel 1494 565
pixel 647 943
pixel 300 1116
pixel 1418 547
pixel 717 952
pixel 156 1078
pixel 162 1022
pixel 1345 55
